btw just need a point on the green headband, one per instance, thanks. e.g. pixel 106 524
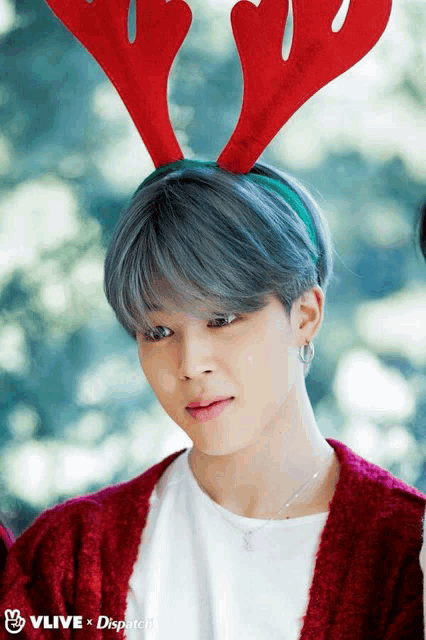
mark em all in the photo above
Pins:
pixel 288 194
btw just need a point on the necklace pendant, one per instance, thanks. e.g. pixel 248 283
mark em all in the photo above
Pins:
pixel 248 543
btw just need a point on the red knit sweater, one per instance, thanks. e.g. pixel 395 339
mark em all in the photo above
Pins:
pixel 77 558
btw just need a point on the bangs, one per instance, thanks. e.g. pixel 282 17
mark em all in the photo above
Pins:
pixel 208 243
pixel 158 283
pixel 190 257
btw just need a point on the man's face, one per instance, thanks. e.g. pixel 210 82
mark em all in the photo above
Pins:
pixel 249 359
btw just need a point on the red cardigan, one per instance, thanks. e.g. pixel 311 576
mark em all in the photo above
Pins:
pixel 6 541
pixel 77 558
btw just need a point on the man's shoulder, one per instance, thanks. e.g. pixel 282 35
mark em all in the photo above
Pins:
pixel 394 495
pixel 379 498
pixel 105 508
pixel 106 522
pixel 399 508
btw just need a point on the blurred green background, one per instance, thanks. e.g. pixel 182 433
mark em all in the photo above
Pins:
pixel 76 412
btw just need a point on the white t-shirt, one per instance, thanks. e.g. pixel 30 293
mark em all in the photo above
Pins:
pixel 194 578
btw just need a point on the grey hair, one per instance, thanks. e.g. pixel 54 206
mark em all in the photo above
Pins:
pixel 202 234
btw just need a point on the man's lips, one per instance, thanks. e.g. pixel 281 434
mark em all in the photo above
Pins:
pixel 207 403
pixel 204 413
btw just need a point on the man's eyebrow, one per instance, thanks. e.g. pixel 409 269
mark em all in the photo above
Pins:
pixel 154 308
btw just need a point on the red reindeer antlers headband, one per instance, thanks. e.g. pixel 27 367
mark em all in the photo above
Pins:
pixel 273 88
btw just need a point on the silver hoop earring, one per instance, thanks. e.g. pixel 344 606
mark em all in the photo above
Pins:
pixel 306 353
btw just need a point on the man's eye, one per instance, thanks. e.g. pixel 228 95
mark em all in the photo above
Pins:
pixel 156 334
pixel 224 320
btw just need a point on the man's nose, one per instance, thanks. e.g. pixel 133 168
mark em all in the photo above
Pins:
pixel 196 356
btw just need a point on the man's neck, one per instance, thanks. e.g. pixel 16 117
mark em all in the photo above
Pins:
pixel 258 480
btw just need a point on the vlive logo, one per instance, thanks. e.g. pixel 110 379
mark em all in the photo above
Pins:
pixel 14 622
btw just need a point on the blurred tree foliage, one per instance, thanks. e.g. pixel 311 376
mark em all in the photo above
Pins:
pixel 75 411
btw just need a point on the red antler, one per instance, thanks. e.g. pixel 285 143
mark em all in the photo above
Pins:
pixel 138 70
pixel 273 88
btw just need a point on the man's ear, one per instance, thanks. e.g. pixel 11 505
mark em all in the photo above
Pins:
pixel 307 315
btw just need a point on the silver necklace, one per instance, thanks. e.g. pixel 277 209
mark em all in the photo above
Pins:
pixel 248 535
